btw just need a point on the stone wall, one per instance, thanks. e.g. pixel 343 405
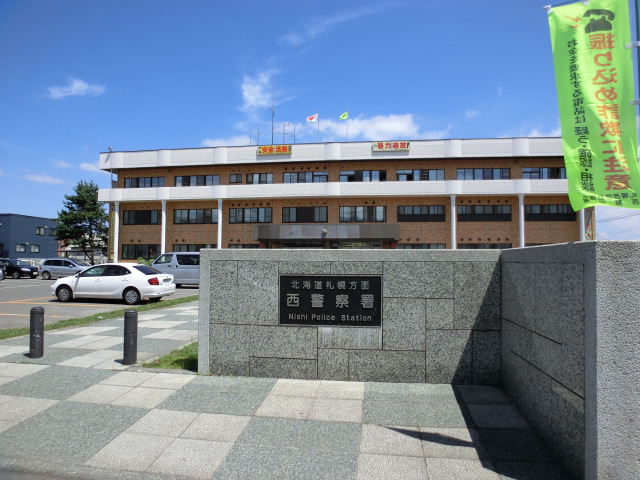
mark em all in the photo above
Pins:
pixel 570 351
pixel 440 310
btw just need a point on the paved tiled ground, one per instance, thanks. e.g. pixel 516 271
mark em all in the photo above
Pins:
pixel 79 413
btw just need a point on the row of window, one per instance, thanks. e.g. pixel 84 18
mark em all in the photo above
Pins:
pixel 22 248
pixel 352 176
pixel 408 213
pixel 132 252
pixel 53 232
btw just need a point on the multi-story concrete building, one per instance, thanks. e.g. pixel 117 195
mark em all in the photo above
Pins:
pixel 27 237
pixel 481 193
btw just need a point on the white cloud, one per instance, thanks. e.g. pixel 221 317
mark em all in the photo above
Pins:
pixel 76 87
pixel 42 178
pixel 318 26
pixel 379 127
pixel 471 114
pixel 62 164
pixel 257 92
pixel 237 140
pixel 92 167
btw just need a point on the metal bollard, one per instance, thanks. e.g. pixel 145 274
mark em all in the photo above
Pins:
pixel 36 335
pixel 130 355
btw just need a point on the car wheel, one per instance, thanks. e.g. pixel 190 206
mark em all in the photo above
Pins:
pixel 46 276
pixel 16 275
pixel 64 293
pixel 131 296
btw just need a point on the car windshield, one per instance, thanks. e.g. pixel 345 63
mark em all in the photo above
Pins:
pixel 146 270
pixel 22 263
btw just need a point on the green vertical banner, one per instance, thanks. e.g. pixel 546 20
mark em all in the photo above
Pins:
pixel 594 81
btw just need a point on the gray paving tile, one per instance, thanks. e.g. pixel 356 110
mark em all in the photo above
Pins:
pixel 242 385
pixel 482 394
pixel 413 414
pixel 402 441
pixel 410 392
pixel 452 443
pixel 383 467
pixel 203 400
pixel 514 445
pixel 190 457
pixel 305 434
pixel 52 356
pixel 221 428
pixel 531 471
pixel 460 469
pixel 251 462
pixel 68 431
pixel 55 382
pixel 130 451
pixel 497 416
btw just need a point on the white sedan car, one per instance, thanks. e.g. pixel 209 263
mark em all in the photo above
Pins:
pixel 130 282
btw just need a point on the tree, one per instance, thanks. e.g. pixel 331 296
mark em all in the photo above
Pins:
pixel 84 221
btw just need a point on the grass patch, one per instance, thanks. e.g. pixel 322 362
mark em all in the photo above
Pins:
pixel 185 358
pixel 77 322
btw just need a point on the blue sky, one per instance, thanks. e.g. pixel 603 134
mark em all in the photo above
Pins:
pixel 79 77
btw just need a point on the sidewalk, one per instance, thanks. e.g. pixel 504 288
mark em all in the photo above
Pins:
pixel 78 413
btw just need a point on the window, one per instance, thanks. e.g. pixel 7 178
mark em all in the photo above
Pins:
pixel 133 252
pixel 193 215
pixel 304 214
pixel 484 213
pixel 363 176
pixel 305 177
pixel 544 173
pixel 245 245
pixel 553 213
pixel 483 174
pixel 419 246
pixel 250 215
pixel 141 217
pixel 40 230
pixel 197 180
pixel 21 248
pixel 256 178
pixel 363 214
pixel 34 248
pixel 191 247
pixel 235 178
pixel 53 232
pixel 482 246
pixel 421 213
pixel 144 182
pixel 420 175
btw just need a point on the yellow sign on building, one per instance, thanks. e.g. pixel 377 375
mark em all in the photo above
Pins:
pixel 274 150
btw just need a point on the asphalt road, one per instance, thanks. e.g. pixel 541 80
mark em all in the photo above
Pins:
pixel 17 297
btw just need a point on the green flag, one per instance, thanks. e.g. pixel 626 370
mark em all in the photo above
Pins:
pixel 594 82
pixel 344 116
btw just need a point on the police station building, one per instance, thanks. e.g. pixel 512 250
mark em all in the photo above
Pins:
pixel 453 194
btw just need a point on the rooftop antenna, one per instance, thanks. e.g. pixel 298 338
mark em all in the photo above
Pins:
pixel 284 125
pixel 258 133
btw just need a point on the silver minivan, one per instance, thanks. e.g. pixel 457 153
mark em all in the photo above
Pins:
pixel 61 267
pixel 184 266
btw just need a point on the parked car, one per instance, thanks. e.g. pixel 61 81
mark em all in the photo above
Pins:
pixel 130 282
pixel 61 267
pixel 18 268
pixel 184 266
pixel 1 272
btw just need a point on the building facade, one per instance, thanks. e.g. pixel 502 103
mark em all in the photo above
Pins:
pixel 26 237
pixel 454 194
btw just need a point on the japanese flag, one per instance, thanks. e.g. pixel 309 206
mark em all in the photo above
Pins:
pixel 313 118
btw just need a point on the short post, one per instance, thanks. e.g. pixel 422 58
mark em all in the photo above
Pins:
pixel 130 355
pixel 36 335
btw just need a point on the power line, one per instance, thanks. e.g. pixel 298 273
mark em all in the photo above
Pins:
pixel 626 215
